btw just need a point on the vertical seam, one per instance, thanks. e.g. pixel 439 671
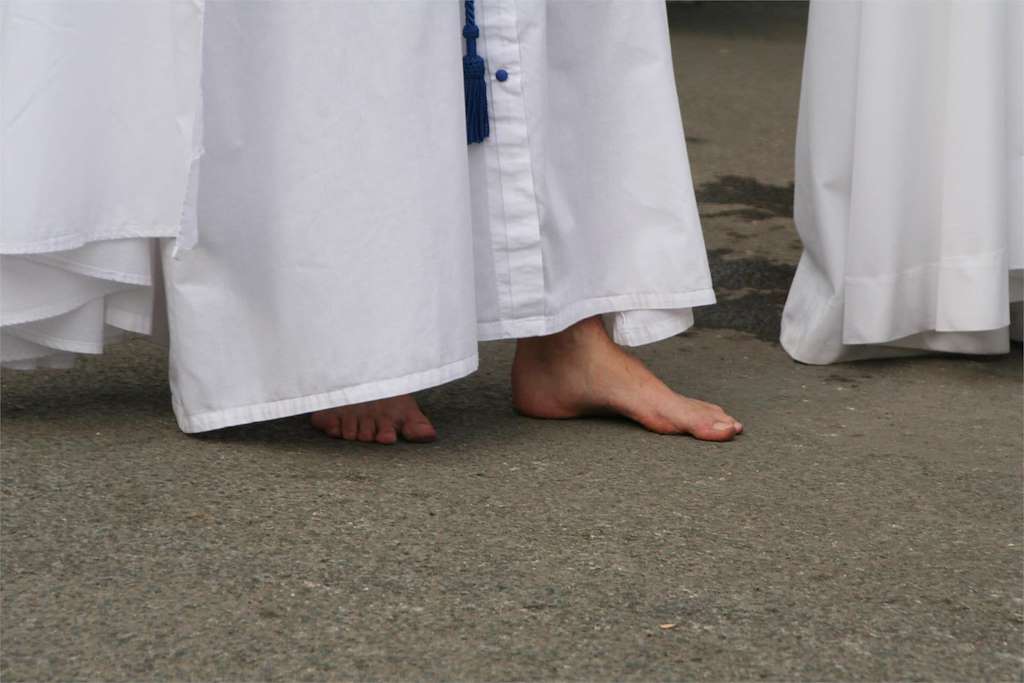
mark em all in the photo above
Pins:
pixel 529 151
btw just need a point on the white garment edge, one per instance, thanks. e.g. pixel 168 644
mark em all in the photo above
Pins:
pixel 803 347
pixel 77 240
pixel 618 306
pixel 672 315
pixel 659 325
pixel 919 293
pixel 78 301
pixel 834 317
pixel 106 303
pixel 360 393
pixel 46 332
pixel 72 266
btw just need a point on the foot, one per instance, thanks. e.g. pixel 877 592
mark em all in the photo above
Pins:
pixel 581 371
pixel 380 421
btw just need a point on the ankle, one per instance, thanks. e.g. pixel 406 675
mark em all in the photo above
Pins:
pixel 581 335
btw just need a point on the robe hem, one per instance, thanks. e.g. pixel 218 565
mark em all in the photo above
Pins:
pixel 537 326
pixel 52 310
pixel 888 307
pixel 359 393
pixel 60 344
pixel 649 334
pixel 77 240
pixel 806 344
pixel 105 274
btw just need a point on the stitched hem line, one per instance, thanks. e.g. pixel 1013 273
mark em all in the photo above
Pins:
pixel 367 391
pixel 648 334
pixel 580 310
pixel 69 266
pixel 76 240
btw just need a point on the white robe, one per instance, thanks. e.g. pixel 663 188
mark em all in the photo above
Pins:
pixel 328 236
pixel 909 180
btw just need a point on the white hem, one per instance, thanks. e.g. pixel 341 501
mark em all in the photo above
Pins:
pixel 77 240
pixel 649 334
pixel 550 324
pixel 368 391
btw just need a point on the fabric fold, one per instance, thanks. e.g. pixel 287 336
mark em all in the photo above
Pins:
pixel 909 188
pixel 63 303
pixel 100 137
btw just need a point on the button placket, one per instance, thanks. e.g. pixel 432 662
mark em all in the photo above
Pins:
pixel 509 161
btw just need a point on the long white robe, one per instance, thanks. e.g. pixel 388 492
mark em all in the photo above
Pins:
pixel 909 180
pixel 327 236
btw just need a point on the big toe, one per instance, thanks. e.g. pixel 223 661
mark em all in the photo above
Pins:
pixel 725 418
pixel 418 429
pixel 715 429
pixel 722 418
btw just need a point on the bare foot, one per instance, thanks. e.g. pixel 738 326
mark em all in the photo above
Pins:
pixel 380 421
pixel 581 371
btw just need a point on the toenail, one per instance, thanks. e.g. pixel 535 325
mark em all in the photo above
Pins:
pixel 722 425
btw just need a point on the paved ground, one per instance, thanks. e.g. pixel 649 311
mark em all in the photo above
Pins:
pixel 868 525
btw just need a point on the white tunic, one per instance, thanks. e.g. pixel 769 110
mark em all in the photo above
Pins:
pixel 330 238
pixel 910 179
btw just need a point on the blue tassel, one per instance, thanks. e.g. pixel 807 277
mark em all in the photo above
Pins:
pixel 473 70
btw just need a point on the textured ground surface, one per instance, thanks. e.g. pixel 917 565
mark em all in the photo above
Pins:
pixel 867 526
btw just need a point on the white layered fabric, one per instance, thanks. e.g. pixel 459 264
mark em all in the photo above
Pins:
pixel 98 103
pixel 328 236
pixel 910 180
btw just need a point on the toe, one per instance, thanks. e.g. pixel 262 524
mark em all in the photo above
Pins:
pixel 729 419
pixel 714 430
pixel 367 429
pixel 720 416
pixel 386 431
pixel 418 429
pixel 349 426
pixel 327 422
pixel 723 417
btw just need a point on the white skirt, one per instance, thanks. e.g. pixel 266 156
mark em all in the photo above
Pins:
pixel 909 180
pixel 296 175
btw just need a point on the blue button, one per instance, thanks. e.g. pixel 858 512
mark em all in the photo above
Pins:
pixel 501 75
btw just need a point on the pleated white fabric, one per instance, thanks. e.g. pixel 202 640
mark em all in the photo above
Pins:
pixel 59 304
pixel 328 236
pixel 98 103
pixel 910 180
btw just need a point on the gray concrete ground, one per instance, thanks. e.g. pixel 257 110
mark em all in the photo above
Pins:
pixel 867 526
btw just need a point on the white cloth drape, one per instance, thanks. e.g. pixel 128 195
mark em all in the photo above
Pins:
pixel 910 179
pixel 328 236
pixel 97 103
